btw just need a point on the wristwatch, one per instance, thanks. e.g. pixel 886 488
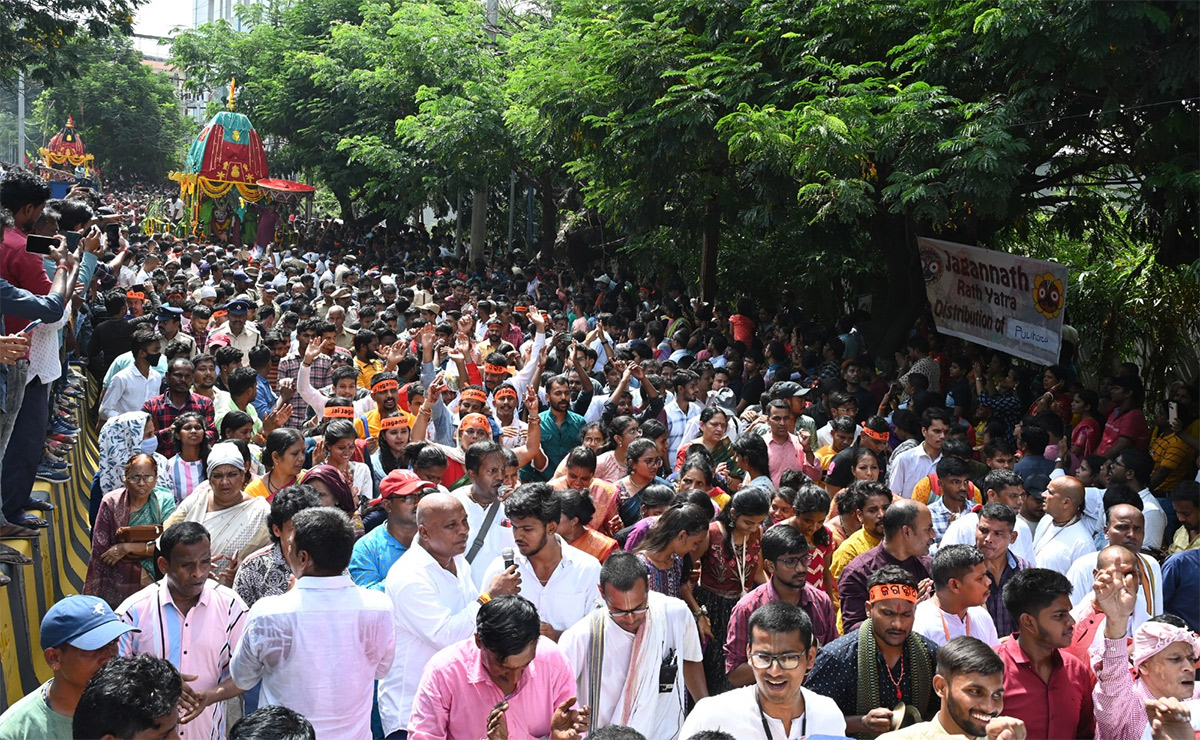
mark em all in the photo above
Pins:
pixel 701 612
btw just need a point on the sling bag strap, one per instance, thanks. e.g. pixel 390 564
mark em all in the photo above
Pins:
pixel 488 518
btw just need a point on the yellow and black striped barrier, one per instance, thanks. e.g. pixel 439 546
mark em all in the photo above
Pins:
pixel 60 559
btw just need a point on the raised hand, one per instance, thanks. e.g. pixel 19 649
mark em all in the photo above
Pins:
pixel 1116 595
pixel 426 336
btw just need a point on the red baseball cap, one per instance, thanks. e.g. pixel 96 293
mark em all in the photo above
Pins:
pixel 402 483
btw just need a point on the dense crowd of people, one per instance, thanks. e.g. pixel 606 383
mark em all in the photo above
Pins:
pixel 357 487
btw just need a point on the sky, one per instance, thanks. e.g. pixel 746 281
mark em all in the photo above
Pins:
pixel 157 17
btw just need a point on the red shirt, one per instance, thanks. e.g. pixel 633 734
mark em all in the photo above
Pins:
pixel 22 269
pixel 1131 423
pixel 1063 708
pixel 743 329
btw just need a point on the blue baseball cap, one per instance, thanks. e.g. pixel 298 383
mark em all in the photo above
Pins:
pixel 85 622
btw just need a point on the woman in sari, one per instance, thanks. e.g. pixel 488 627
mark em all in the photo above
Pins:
pixel 121 438
pixel 714 422
pixel 642 461
pixel 611 463
pixel 336 449
pixel 283 458
pixel 330 484
pixel 117 570
pixel 236 521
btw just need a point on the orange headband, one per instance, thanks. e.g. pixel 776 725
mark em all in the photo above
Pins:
pixel 505 392
pixel 892 591
pixel 495 369
pixel 393 422
pixel 877 436
pixel 384 386
pixel 474 394
pixel 135 294
pixel 339 412
pixel 474 420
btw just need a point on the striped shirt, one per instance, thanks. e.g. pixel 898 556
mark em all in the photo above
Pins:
pixel 185 476
pixel 199 643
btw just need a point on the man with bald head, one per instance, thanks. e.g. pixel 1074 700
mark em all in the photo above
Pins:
pixel 1124 525
pixel 434 602
pixel 907 534
pixel 1122 565
pixel 1061 537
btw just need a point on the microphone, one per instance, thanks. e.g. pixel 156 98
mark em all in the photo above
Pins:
pixel 508 556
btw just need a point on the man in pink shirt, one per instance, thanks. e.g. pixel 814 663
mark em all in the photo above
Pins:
pixel 192 621
pixel 506 674
pixel 784 450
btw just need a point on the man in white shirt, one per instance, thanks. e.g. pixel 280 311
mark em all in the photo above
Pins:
pixel 1125 526
pixel 1061 537
pixel 560 580
pixel 680 410
pixel 490 530
pixel 961 588
pixel 909 467
pixel 319 648
pixel 433 602
pixel 1132 467
pixel 970 686
pixel 1001 486
pixel 644 646
pixel 137 383
pixel 780 650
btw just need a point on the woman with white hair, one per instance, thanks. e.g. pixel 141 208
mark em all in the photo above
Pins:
pixel 236 520
pixel 1164 655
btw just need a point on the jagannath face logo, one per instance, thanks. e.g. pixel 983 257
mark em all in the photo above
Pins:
pixel 931 264
pixel 1048 295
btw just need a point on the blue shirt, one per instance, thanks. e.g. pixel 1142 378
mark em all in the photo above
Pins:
pixel 373 557
pixel 1181 588
pixel 264 400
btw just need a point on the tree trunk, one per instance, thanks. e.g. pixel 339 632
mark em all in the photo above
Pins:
pixel 708 250
pixel 902 298
pixel 478 221
pixel 347 205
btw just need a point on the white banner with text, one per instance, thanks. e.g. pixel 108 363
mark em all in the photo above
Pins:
pixel 1000 300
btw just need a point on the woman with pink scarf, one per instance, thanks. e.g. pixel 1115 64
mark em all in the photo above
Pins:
pixel 1164 657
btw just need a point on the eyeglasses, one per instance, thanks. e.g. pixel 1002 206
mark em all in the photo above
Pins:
pixel 141 478
pixel 786 661
pixel 618 613
pixel 795 561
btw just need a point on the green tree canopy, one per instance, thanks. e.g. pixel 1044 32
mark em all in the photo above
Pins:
pixel 127 113
pixel 47 40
